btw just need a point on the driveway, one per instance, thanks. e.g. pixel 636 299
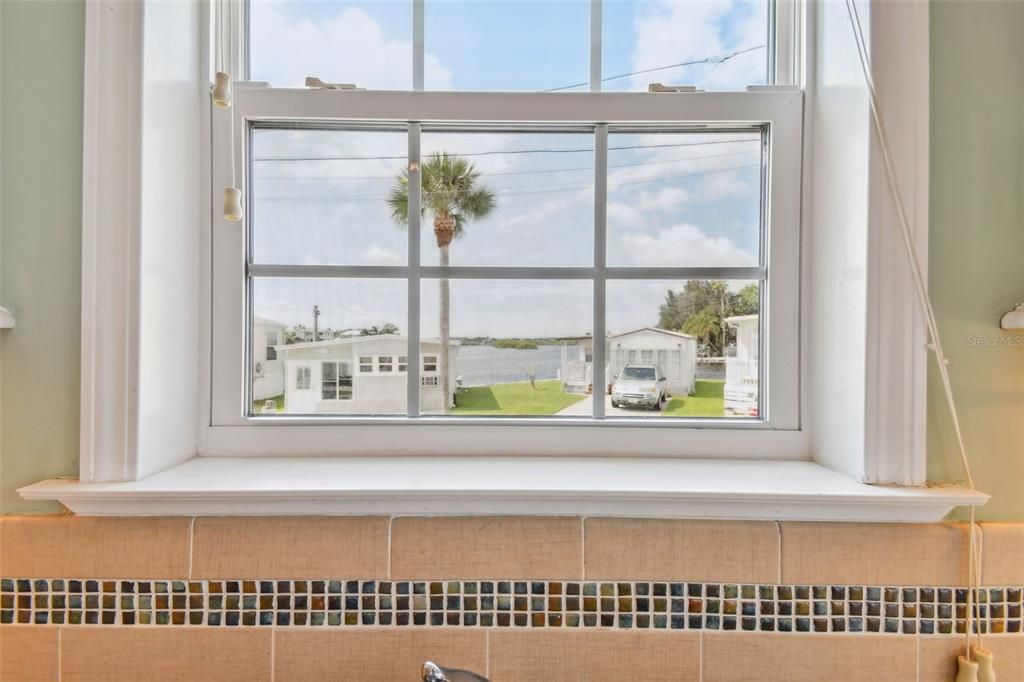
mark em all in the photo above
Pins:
pixel 584 408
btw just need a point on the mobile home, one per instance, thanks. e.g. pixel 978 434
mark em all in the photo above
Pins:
pixel 361 375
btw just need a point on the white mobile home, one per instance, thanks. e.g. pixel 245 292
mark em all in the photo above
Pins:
pixel 360 375
pixel 676 353
pixel 267 367
pixel 741 371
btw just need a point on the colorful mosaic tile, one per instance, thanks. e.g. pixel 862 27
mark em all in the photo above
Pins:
pixel 509 604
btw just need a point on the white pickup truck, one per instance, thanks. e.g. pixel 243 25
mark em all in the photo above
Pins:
pixel 640 385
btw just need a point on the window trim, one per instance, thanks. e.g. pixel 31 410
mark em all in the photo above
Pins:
pixel 110 447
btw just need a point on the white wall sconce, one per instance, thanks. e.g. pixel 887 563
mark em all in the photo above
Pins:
pixel 6 318
pixel 1014 319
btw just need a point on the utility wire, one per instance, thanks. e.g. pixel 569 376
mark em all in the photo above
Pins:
pixel 549 190
pixel 493 152
pixel 721 59
pixel 505 173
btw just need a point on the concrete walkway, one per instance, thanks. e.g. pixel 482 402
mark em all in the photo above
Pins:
pixel 584 408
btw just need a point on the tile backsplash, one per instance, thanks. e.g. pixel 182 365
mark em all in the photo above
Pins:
pixel 623 605
pixel 516 598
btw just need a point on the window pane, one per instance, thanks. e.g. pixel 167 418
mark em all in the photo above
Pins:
pixel 725 44
pixel 320 197
pixel 684 199
pixel 524 45
pixel 705 336
pixel 530 201
pixel 510 342
pixel 368 43
pixel 330 327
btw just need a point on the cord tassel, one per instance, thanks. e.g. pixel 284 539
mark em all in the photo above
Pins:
pixel 222 90
pixel 967 671
pixel 232 204
pixel 986 661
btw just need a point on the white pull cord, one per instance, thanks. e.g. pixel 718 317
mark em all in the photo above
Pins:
pixel 935 343
pixel 222 98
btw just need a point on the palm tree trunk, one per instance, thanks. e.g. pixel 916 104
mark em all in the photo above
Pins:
pixel 445 309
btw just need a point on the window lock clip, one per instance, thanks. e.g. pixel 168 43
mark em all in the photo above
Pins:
pixel 317 84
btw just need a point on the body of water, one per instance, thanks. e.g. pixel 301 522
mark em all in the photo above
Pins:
pixel 486 365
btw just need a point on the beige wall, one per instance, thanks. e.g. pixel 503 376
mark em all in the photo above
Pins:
pixel 977 238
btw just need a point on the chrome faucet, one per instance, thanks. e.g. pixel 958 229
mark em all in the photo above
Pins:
pixel 435 673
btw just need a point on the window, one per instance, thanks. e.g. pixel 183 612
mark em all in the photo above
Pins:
pixel 335 381
pixel 428 381
pixel 303 378
pixel 271 343
pixel 583 232
pixel 368 285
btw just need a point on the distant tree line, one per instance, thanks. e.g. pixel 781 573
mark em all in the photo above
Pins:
pixel 700 309
pixel 300 333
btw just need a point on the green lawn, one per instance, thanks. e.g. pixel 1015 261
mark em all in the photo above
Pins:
pixel 257 405
pixel 515 399
pixel 707 401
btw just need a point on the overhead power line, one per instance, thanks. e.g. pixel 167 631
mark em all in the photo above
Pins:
pixel 403 157
pixel 721 59
pixel 488 174
pixel 547 190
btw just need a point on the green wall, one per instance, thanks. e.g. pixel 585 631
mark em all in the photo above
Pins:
pixel 977 240
pixel 41 50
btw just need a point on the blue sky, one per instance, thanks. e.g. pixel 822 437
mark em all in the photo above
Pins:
pixel 674 199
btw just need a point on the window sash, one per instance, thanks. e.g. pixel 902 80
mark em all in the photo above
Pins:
pixel 778 109
pixel 782 63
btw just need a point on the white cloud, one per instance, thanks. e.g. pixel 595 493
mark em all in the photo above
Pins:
pixel 377 255
pixel 681 245
pixel 671 32
pixel 349 47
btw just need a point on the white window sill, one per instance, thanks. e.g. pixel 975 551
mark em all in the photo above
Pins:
pixel 725 489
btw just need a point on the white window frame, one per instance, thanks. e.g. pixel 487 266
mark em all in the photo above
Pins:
pixel 777 110
pixel 390 364
pixel 303 378
pixel 136 461
pixel 363 365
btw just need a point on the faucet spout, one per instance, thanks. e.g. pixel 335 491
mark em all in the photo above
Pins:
pixel 435 673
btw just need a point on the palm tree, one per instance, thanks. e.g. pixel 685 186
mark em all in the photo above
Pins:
pixel 451 191
pixel 703 325
pixel 378 330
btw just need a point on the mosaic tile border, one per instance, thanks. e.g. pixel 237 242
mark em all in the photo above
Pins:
pixel 508 603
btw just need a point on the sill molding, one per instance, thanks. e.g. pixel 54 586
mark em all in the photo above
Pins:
pixel 658 488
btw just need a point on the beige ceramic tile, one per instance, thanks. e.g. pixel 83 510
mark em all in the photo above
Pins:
pixel 377 654
pixel 772 657
pixel 874 553
pixel 593 656
pixel 28 653
pixel 655 549
pixel 1002 556
pixel 486 547
pixel 290 547
pixel 90 547
pixel 119 654
pixel 938 657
